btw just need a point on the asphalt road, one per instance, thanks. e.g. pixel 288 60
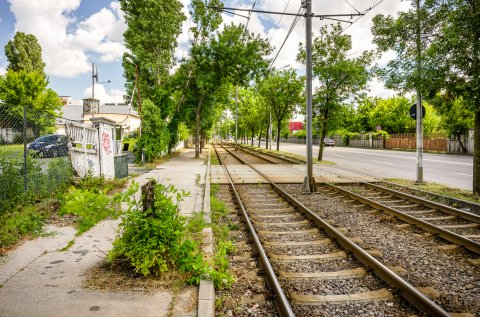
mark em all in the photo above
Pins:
pixel 451 170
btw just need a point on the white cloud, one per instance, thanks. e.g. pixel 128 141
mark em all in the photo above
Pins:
pixel 2 71
pixel 67 43
pixel 104 95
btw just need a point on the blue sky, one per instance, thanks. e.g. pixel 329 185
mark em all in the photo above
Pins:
pixel 75 33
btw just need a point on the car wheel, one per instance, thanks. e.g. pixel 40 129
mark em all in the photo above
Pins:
pixel 54 153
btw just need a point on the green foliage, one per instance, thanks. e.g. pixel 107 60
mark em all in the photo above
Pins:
pixel 154 241
pixel 456 117
pixel 41 183
pixel 89 201
pixel 90 207
pixel 340 77
pixel 221 276
pixel 18 223
pixel 151 50
pixel 155 136
pixel 282 92
pixel 393 116
pixel 99 184
pixel 24 53
pixel 19 89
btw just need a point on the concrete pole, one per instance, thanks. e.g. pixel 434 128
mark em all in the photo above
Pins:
pixel 236 117
pixel 419 119
pixel 309 181
pixel 271 130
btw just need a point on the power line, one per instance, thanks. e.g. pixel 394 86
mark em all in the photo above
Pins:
pixel 292 26
pixel 278 22
pixel 361 16
pixel 351 6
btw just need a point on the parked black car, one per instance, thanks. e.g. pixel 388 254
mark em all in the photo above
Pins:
pixel 51 145
pixel 328 142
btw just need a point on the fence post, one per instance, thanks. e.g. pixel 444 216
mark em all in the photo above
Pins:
pixel 24 132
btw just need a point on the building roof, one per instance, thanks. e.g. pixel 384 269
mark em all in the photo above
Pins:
pixel 75 112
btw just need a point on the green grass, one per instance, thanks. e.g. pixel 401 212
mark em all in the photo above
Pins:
pixel 27 220
pixel 213 158
pixel 439 189
pixel 19 223
pixel 287 155
pixel 11 149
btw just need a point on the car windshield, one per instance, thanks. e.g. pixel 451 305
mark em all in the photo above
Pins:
pixel 47 138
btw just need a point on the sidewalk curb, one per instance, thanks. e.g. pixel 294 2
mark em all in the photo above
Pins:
pixel 206 290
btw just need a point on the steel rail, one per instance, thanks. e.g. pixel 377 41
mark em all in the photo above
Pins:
pixel 281 302
pixel 431 204
pixel 288 159
pixel 406 290
pixel 473 207
pixel 445 234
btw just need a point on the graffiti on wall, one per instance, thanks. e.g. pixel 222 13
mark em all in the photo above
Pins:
pixel 107 142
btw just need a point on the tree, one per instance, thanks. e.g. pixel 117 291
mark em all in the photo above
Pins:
pixel 340 77
pixel 21 89
pixel 392 115
pixel 457 118
pixel 24 53
pixel 282 92
pixel 232 57
pixel 151 37
pixel 450 55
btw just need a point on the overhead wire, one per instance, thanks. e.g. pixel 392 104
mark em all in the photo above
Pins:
pixel 361 16
pixel 292 27
pixel 278 22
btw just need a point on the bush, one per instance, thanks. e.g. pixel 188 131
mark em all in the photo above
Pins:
pixel 41 182
pixel 154 241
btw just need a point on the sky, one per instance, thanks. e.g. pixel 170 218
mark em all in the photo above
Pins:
pixel 74 34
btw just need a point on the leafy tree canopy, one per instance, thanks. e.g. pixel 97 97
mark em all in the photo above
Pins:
pixel 24 53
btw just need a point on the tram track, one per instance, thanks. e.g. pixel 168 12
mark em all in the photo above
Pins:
pixel 287 227
pixel 452 224
pixel 465 205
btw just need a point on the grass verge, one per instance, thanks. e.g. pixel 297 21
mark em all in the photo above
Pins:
pixel 439 189
pixel 11 150
pixel 83 204
pixel 287 155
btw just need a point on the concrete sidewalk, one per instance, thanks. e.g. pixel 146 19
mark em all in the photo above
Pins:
pixel 39 280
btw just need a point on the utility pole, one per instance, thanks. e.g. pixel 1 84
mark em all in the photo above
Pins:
pixel 236 117
pixel 419 116
pixel 309 181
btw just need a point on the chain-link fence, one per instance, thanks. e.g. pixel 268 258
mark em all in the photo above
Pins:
pixel 34 161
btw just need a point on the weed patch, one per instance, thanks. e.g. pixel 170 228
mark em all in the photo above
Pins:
pixel 155 241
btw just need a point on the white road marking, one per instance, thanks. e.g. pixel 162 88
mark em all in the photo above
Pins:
pixel 464 174
pixel 404 157
pixel 383 162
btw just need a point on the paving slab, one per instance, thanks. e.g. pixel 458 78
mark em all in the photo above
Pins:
pixel 38 279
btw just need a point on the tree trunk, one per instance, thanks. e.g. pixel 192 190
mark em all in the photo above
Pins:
pixel 253 132
pixel 197 131
pixel 266 139
pixel 320 151
pixel 279 126
pixel 462 146
pixel 202 137
pixel 476 154
pixel 260 136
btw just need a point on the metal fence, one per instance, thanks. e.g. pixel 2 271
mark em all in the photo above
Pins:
pixel 34 160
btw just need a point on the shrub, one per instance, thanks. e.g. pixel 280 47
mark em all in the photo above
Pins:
pixel 154 241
